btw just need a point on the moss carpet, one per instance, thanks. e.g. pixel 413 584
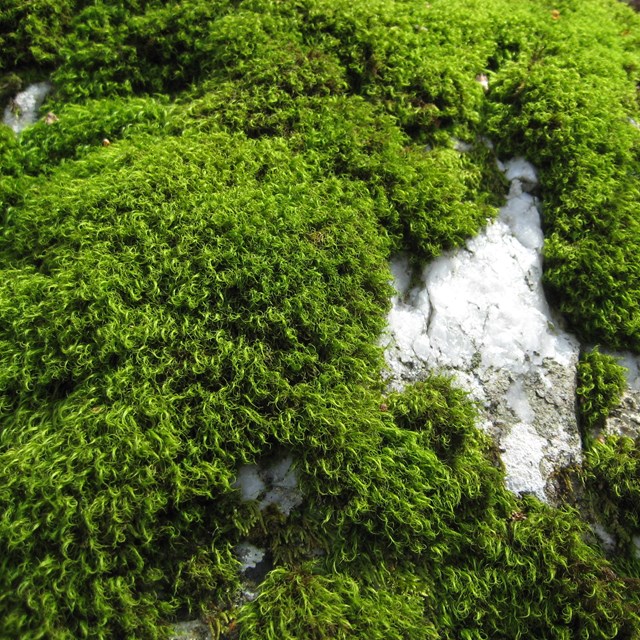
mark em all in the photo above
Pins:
pixel 210 288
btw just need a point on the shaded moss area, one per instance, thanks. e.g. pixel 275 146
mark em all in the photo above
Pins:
pixel 210 287
pixel 610 473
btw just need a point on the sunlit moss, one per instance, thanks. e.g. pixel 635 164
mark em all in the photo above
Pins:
pixel 611 473
pixel 209 286
pixel 601 383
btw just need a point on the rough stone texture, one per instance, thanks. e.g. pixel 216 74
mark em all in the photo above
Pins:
pixel 625 418
pixel 193 630
pixel 479 314
pixel 275 482
pixel 22 110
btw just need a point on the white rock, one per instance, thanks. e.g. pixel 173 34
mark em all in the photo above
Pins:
pixel 481 315
pixel 23 109
pixel 249 482
pixel 284 492
pixel 522 457
pixel 517 401
pixel 520 169
pixel 625 418
pixel 192 630
pixel 249 555
pixel 275 483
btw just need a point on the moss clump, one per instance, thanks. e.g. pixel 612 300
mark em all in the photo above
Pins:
pixel 180 296
pixel 601 383
pixel 565 99
pixel 611 474
pixel 424 543
pixel 210 288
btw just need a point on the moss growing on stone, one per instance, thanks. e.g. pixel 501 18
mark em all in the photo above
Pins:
pixel 601 383
pixel 477 562
pixel 210 288
pixel 611 474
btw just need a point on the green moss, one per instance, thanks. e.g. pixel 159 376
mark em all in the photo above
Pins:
pixel 209 289
pixel 304 602
pixel 565 100
pixel 32 33
pixel 611 473
pixel 601 383
pixel 80 129
pixel 456 555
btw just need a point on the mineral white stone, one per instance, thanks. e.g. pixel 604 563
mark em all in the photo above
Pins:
pixel 284 492
pixel 480 314
pixel 625 418
pixel 523 454
pixel 23 109
pixel 517 401
pixel 192 630
pixel 276 483
pixel 249 482
pixel 520 169
pixel 249 555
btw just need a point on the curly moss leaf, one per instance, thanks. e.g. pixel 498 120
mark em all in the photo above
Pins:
pixel 601 383
pixel 611 473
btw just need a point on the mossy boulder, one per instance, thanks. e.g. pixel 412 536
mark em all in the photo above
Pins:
pixel 210 288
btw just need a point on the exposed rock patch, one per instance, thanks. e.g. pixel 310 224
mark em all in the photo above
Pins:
pixel 625 418
pixel 192 630
pixel 274 483
pixel 22 110
pixel 479 313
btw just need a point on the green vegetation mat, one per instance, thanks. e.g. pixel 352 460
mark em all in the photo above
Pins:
pixel 209 289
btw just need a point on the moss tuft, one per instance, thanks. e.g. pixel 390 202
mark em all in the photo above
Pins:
pixel 601 383
pixel 611 473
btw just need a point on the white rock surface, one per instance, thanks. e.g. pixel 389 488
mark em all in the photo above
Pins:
pixel 249 482
pixel 631 362
pixel 274 483
pixel 479 313
pixel 22 110
pixel 249 555
pixel 624 420
pixel 192 630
